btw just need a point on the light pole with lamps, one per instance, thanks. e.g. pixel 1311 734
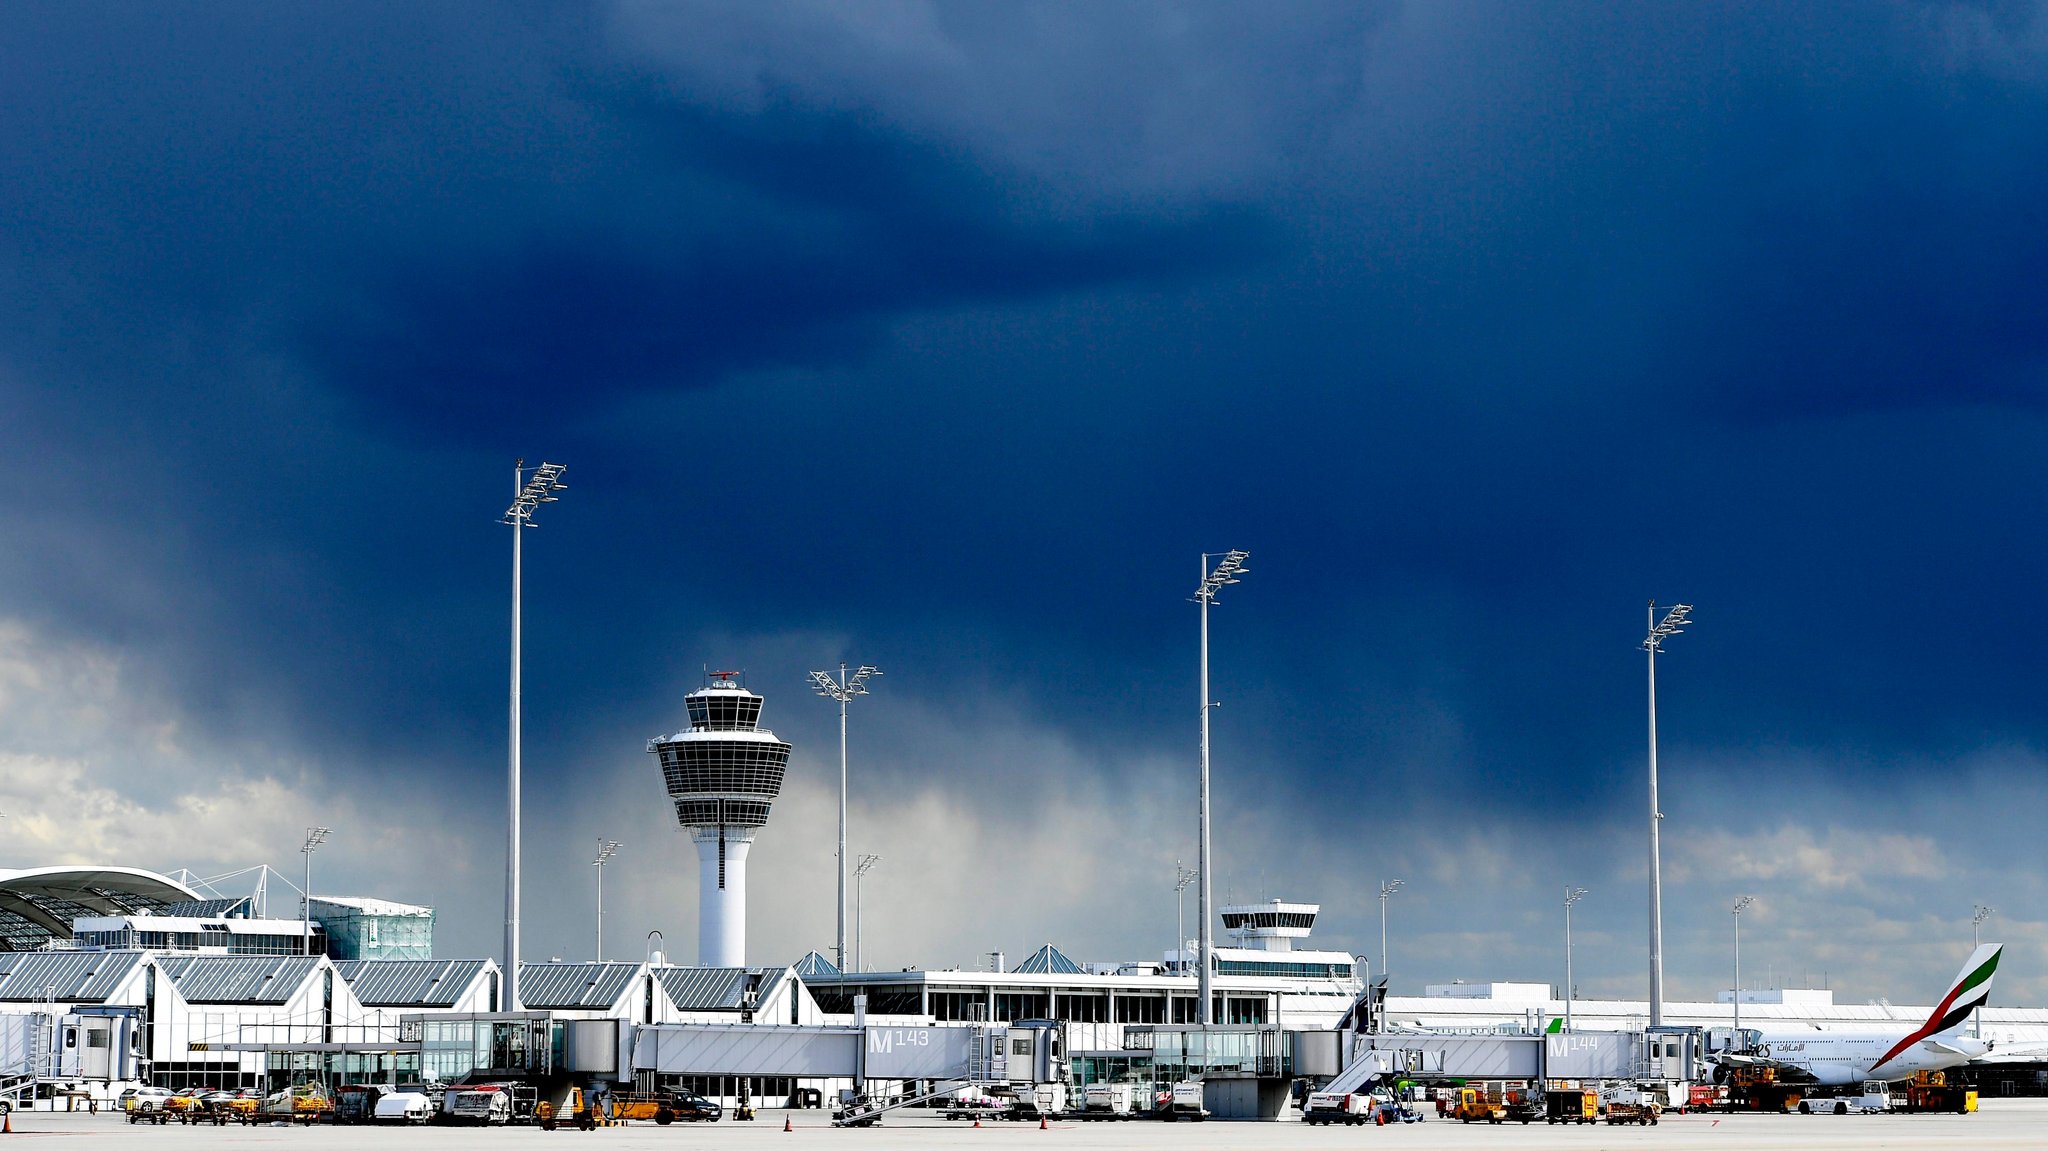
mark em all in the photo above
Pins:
pixel 1673 623
pixel 529 492
pixel 1387 890
pixel 606 848
pixel 1745 901
pixel 315 836
pixel 1571 895
pixel 861 866
pixel 1214 580
pixel 1182 876
pixel 1978 915
pixel 843 690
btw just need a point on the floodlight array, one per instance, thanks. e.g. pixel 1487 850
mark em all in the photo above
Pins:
pixel 1673 623
pixel 1226 572
pixel 856 684
pixel 540 489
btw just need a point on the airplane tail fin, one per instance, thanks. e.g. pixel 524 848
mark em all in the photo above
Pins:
pixel 1970 990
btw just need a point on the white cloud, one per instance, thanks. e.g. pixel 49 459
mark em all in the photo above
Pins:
pixel 98 766
pixel 1833 858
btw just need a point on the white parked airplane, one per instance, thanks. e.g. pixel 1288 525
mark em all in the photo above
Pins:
pixel 1845 1059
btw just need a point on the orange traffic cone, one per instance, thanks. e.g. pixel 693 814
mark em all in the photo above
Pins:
pixel 1043 1125
pixel 977 1120
pixel 785 1124
pixel 7 1122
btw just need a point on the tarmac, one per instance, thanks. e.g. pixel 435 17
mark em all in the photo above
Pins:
pixel 2003 1123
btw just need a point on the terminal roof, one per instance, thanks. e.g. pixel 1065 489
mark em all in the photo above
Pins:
pixel 410 982
pixel 64 976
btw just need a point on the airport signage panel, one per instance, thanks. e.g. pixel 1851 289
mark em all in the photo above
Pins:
pixel 1589 1055
pixel 918 1052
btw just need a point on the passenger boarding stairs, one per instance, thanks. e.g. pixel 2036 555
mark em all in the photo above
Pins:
pixel 864 1114
pixel 13 1087
pixel 1361 1074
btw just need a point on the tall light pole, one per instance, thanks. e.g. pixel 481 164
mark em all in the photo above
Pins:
pixel 606 848
pixel 1745 901
pixel 315 836
pixel 528 493
pixel 843 689
pixel 1977 917
pixel 1182 876
pixel 861 867
pixel 1214 580
pixel 1571 895
pixel 1673 623
pixel 1387 890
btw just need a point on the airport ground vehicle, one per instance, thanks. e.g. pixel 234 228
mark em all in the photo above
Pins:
pixel 1351 1107
pixel 665 1107
pixel 1758 1089
pixel 357 1102
pixel 1632 1105
pixel 1386 1111
pixel 1475 1106
pixel 1184 1101
pixel 1571 1105
pixel 1108 1101
pixel 189 1099
pixel 143 1099
pixel 305 1103
pixel 1931 1091
pixel 485 1105
pixel 582 1110
pixel 1521 1105
pixel 404 1106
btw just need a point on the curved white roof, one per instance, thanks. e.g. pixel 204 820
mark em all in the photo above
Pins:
pixel 37 904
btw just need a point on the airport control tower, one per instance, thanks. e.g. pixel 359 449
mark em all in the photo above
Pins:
pixel 723 774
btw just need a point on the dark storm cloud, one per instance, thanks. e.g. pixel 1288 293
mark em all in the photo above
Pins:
pixel 948 334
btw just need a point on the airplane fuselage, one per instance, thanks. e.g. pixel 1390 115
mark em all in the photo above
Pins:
pixel 1845 1059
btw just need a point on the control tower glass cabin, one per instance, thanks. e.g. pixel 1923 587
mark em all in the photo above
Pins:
pixel 723 773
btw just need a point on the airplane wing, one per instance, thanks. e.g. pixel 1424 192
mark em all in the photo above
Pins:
pixel 2014 1053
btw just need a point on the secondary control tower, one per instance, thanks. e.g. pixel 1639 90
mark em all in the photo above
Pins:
pixel 723 774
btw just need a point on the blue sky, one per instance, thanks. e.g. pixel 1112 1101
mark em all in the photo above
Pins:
pixel 946 338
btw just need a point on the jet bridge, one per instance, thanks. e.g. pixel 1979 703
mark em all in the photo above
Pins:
pixel 760 1049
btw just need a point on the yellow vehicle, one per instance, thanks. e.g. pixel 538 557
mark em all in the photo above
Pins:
pixel 186 1102
pixel 1930 1091
pixel 1475 1106
pixel 1572 1105
pixel 583 1112
pixel 305 1103
pixel 1758 1089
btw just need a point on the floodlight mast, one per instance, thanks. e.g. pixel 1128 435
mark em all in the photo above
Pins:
pixel 1214 580
pixel 843 690
pixel 1741 903
pixel 528 493
pixel 861 867
pixel 315 836
pixel 606 849
pixel 1571 896
pixel 1387 889
pixel 1673 623
pixel 1182 876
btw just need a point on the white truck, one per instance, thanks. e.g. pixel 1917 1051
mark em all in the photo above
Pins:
pixel 1338 1106
pixel 1348 1107
pixel 1183 1102
pixel 1108 1101
pixel 484 1106
pixel 403 1106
